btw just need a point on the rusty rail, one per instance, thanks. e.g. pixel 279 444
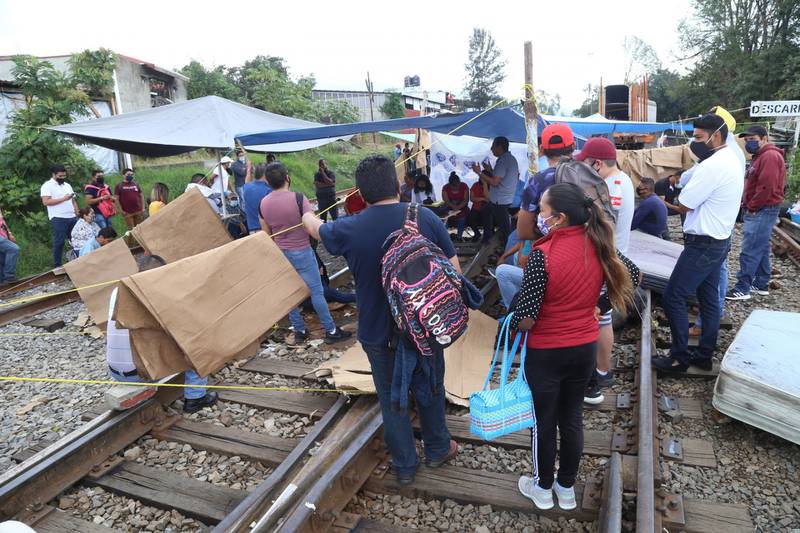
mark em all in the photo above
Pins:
pixel 645 486
pixel 34 307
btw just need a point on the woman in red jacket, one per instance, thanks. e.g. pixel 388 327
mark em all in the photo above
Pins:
pixel 557 304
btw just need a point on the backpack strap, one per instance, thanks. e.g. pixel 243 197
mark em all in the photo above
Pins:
pixel 299 198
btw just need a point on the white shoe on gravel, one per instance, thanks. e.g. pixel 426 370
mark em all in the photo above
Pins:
pixel 565 497
pixel 542 498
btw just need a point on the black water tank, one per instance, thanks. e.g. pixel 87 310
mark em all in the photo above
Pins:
pixel 617 102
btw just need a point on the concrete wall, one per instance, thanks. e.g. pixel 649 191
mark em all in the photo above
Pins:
pixel 359 99
pixel 134 86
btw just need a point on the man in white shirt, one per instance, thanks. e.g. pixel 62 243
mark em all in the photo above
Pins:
pixel 711 202
pixel 221 172
pixel 601 154
pixel 62 209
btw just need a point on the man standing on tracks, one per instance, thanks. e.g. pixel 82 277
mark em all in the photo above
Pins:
pixel 763 195
pixel 711 202
pixel 502 181
pixel 131 200
pixel 360 239
pixel 62 209
pixel 325 182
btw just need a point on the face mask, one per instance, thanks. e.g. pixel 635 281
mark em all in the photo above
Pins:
pixel 541 224
pixel 129 177
pixel 61 181
pixel 752 147
pixel 101 180
pixel 701 148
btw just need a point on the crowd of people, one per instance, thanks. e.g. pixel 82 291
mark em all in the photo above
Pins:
pixel 562 273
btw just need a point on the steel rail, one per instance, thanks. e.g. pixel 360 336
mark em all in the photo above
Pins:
pixel 645 487
pixel 610 520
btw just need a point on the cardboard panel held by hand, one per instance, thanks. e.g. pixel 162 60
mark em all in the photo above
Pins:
pixel 182 228
pixel 111 262
pixel 213 305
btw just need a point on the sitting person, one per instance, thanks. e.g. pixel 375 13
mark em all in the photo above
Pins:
pixel 119 359
pixel 332 294
pixel 159 196
pixel 105 236
pixel 456 197
pixel 423 191
pixel 478 194
pixel 650 215
pixel 407 188
pixel 214 198
pixel 510 266
pixel 9 253
pixel 84 230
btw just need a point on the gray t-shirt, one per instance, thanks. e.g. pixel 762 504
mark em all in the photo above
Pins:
pixel 508 170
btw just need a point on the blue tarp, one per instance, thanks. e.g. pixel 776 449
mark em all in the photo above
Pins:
pixel 505 121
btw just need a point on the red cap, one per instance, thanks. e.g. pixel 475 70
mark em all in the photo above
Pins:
pixel 557 136
pixel 598 148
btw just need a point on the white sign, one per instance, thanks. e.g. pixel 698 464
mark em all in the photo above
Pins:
pixel 778 108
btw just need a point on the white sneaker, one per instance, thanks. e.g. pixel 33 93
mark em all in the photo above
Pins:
pixel 542 498
pixel 566 497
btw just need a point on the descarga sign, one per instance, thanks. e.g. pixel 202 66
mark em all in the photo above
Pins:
pixel 777 108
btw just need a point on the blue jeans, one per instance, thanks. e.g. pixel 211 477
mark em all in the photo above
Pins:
pixel 101 221
pixel 240 195
pixel 62 227
pixel 9 252
pixel 190 377
pixel 723 290
pixel 696 272
pixel 509 280
pixel 754 267
pixel 397 431
pixel 305 264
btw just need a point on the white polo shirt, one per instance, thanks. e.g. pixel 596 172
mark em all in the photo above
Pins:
pixel 714 194
pixel 52 189
pixel 622 228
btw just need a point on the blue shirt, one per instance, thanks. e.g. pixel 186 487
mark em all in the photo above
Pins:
pixel 650 216
pixel 532 194
pixel 90 246
pixel 254 192
pixel 507 169
pixel 359 238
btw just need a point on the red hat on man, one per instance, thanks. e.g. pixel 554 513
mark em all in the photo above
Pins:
pixel 598 148
pixel 556 136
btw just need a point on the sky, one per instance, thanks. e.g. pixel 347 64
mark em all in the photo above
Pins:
pixel 574 43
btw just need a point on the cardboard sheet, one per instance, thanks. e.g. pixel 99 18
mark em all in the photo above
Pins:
pixel 184 227
pixel 111 262
pixel 205 310
pixel 655 163
pixel 466 362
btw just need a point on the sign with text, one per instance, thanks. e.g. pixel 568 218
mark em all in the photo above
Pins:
pixel 778 108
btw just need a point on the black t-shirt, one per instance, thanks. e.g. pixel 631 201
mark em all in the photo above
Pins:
pixel 331 176
pixel 239 171
pixel 669 192
pixel 359 238
pixel 94 191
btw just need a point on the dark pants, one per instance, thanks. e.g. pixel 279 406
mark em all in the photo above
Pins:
pixel 496 215
pixel 475 220
pixel 696 272
pixel 558 379
pixel 397 431
pixel 62 227
pixel 326 200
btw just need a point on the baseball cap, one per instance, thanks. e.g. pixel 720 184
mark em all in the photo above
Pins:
pixel 598 148
pixel 226 159
pixel 557 136
pixel 755 129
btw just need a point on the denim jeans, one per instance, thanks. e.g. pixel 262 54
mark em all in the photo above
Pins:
pixel 305 264
pixel 101 221
pixel 62 227
pixel 397 430
pixel 509 280
pixel 240 195
pixel 723 290
pixel 190 377
pixel 9 252
pixel 696 272
pixel 754 265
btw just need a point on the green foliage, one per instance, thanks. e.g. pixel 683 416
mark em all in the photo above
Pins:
pixel 548 104
pixel 93 71
pixel 485 69
pixel 204 82
pixel 590 104
pixel 393 107
pixel 335 112
pixel 672 93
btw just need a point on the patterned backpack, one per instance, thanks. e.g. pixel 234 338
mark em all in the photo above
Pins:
pixel 423 288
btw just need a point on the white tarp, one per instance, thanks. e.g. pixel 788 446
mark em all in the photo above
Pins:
pixel 106 159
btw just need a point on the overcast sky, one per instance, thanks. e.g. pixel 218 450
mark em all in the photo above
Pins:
pixel 574 43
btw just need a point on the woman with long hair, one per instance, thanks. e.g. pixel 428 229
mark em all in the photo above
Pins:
pixel 84 230
pixel 159 197
pixel 557 305
pixel 423 191
pixel 456 197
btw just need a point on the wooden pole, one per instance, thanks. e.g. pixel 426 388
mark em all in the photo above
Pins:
pixel 602 99
pixel 371 101
pixel 531 124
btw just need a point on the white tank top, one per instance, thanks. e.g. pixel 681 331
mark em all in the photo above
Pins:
pixel 118 342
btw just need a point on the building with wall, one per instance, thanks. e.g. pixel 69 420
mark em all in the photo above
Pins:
pixel 413 98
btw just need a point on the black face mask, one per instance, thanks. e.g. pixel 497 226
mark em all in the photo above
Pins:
pixel 61 181
pixel 701 149
pixel 100 181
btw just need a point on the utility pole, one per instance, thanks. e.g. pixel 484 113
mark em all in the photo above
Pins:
pixel 531 121
pixel 371 102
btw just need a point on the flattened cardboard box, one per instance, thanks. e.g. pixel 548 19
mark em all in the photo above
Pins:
pixel 184 227
pixel 207 309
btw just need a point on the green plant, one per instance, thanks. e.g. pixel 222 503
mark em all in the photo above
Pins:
pixel 393 107
pixel 485 69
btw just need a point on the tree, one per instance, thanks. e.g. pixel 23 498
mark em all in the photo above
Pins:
pixel 547 104
pixel 335 112
pixel 485 69
pixel 640 59
pixel 672 94
pixel 393 106
pixel 207 82
pixel 590 104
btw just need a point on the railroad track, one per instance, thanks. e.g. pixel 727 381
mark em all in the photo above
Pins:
pixel 786 240
pixel 313 478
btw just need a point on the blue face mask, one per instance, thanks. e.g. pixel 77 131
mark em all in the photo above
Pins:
pixel 752 147
pixel 541 224
pixel 129 177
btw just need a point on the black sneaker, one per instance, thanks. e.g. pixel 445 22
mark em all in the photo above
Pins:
pixel 301 336
pixel 593 395
pixel 760 292
pixel 700 361
pixel 338 335
pixel 733 294
pixel 605 381
pixel 195 404
pixel 669 365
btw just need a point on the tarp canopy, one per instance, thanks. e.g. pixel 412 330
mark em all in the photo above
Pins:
pixel 506 121
pixel 207 122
